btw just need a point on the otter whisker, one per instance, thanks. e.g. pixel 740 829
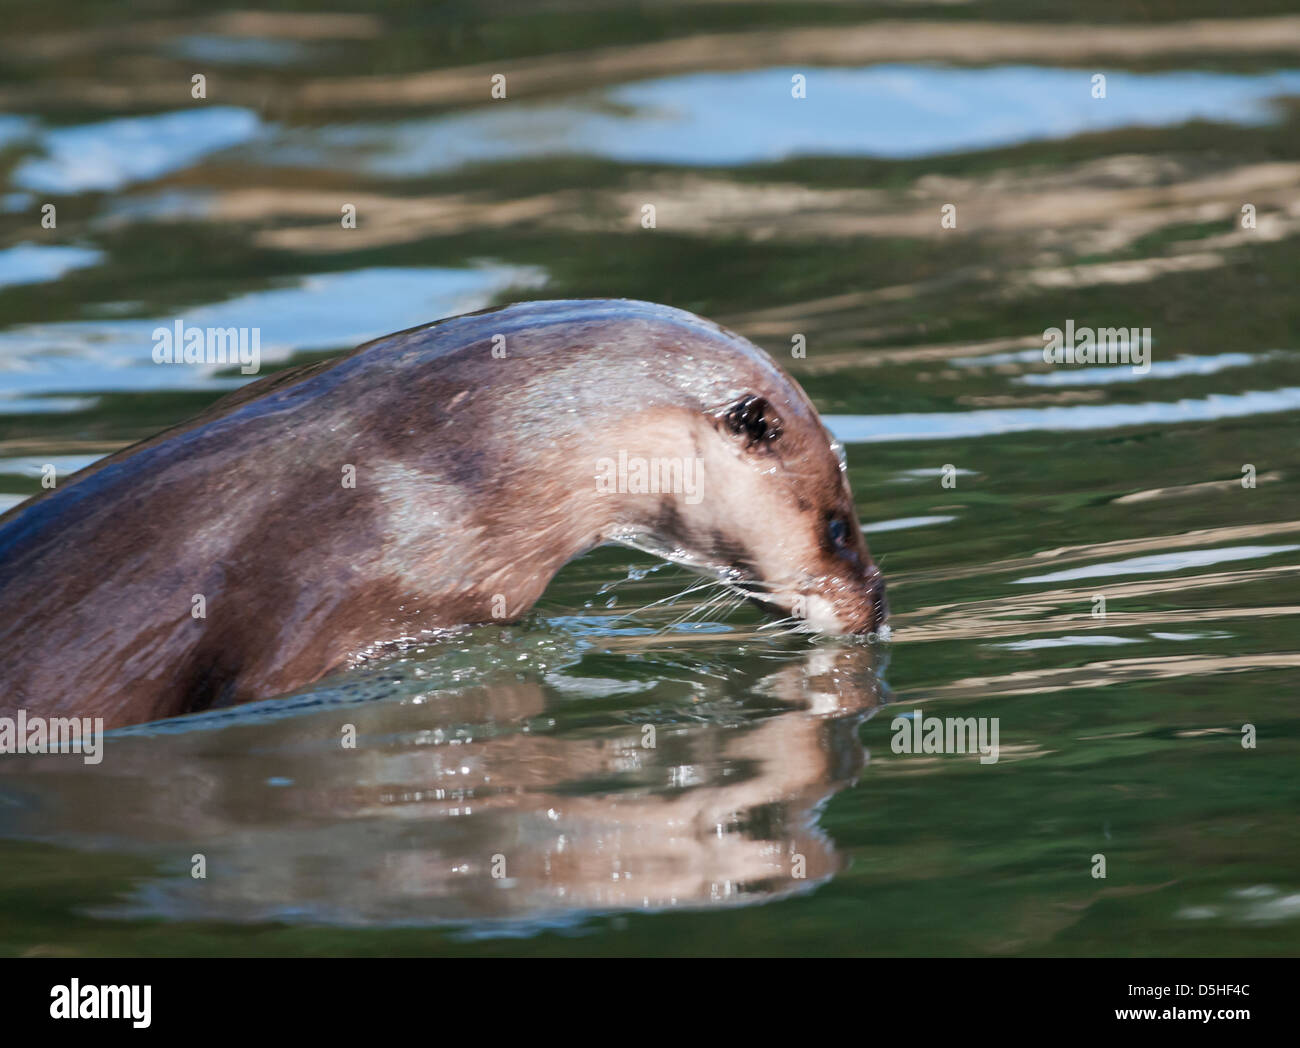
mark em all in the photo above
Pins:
pixel 698 586
pixel 697 609
pixel 789 626
pixel 719 600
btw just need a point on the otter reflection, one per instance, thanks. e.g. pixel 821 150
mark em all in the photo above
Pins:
pixel 502 803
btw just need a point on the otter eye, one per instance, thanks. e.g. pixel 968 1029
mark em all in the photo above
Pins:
pixel 753 419
pixel 839 532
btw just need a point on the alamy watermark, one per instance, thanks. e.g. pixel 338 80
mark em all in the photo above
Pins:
pixel 185 344
pixel 635 475
pixel 1085 345
pixel 24 734
pixel 73 1001
pixel 915 733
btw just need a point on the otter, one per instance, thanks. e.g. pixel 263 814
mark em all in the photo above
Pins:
pixel 432 478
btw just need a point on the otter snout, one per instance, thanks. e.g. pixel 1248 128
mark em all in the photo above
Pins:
pixel 872 605
pixel 853 604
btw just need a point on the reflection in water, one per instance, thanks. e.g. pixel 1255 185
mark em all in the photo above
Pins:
pixel 1116 548
pixel 1184 365
pixel 749 117
pixel 914 331
pixel 903 523
pixel 1111 672
pixel 576 811
pixel 868 429
pixel 37 263
pixel 115 153
pixel 1161 562
pixel 240 50
pixel 1099 640
pixel 1054 611
pixel 1256 903
pixel 32 466
pixel 319 311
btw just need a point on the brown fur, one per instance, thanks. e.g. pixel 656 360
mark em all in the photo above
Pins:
pixel 474 483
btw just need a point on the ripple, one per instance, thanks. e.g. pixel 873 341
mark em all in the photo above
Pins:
pixel 1161 563
pixel 115 153
pixel 38 263
pixel 1183 365
pixel 317 312
pixel 750 117
pixel 1099 640
pixel 874 429
pixel 901 523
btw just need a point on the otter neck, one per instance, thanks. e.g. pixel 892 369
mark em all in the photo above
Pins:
pixel 552 502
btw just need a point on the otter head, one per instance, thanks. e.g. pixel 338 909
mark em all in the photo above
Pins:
pixel 795 537
pixel 765 503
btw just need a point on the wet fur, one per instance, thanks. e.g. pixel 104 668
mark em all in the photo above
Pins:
pixel 474 478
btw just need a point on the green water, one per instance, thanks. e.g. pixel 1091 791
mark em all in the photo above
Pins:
pixel 660 776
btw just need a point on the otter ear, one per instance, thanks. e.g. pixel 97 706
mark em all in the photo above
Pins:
pixel 752 419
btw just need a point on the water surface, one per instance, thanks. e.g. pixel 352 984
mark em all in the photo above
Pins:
pixel 649 767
